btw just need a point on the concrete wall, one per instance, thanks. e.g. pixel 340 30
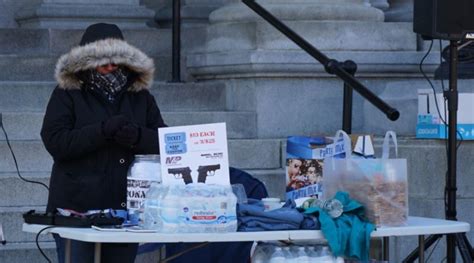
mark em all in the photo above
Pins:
pixel 8 8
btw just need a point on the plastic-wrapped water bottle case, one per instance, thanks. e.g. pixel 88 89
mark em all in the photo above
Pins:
pixel 272 253
pixel 192 208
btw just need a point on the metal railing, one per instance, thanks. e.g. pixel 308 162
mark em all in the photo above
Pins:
pixel 344 70
pixel 176 42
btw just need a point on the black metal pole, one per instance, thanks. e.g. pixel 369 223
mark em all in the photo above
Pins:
pixel 351 67
pixel 347 109
pixel 176 35
pixel 452 240
pixel 332 66
pixel 451 188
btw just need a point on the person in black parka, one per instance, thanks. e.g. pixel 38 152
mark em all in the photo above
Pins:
pixel 98 117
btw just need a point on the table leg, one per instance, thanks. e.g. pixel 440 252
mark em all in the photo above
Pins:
pixel 386 249
pixel 67 252
pixel 97 252
pixel 421 248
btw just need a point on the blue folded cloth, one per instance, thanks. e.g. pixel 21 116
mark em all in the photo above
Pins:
pixel 252 217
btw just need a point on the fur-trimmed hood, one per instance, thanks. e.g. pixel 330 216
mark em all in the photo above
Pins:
pixel 103 52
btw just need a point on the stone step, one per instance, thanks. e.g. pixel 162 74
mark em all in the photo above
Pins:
pixel 308 99
pixel 27 252
pixel 19 193
pixel 41 68
pixel 34 96
pixel 27 125
pixel 152 41
pixel 243 153
pixel 12 221
pixel 426 160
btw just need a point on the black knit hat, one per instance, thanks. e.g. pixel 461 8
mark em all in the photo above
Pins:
pixel 100 31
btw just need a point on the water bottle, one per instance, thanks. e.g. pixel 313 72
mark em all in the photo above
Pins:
pixel 230 210
pixel 326 256
pixel 312 254
pixel 259 256
pixel 290 258
pixel 277 256
pixel 152 213
pixel 333 207
pixel 171 210
pixel 301 256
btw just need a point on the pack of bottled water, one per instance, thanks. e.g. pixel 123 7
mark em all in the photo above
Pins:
pixel 191 208
pixel 271 253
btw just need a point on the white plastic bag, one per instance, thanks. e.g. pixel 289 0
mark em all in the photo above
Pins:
pixel 379 184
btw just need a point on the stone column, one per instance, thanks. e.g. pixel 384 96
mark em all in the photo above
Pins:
pixel 400 11
pixel 79 14
pixel 327 24
pixel 380 4
pixel 268 73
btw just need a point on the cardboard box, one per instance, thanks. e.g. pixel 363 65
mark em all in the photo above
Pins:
pixel 304 164
pixel 429 123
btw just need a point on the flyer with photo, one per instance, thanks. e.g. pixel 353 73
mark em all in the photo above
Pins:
pixel 194 154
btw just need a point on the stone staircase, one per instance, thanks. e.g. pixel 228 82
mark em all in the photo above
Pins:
pixel 256 134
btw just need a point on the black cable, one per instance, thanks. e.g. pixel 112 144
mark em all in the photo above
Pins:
pixel 441 61
pixel 167 259
pixel 16 163
pixel 431 253
pixel 443 88
pixel 429 81
pixel 442 117
pixel 37 243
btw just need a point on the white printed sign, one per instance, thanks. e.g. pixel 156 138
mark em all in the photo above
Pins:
pixel 194 154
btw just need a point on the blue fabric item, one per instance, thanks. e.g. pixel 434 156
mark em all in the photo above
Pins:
pixel 252 217
pixel 349 234
pixel 225 252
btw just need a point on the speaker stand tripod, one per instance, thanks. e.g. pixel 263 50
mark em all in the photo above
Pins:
pixel 459 239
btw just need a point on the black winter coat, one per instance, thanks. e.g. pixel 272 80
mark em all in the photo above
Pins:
pixel 89 171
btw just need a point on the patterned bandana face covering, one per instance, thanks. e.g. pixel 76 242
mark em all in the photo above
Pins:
pixel 109 84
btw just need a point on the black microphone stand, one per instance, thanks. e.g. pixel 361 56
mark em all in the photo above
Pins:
pixel 459 239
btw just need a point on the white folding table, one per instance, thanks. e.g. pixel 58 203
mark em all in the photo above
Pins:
pixel 416 226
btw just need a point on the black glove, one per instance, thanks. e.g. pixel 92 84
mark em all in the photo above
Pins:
pixel 128 135
pixel 113 124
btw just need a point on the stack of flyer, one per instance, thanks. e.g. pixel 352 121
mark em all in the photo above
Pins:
pixel 194 154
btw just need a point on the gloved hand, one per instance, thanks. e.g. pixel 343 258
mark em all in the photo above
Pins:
pixel 113 124
pixel 128 135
